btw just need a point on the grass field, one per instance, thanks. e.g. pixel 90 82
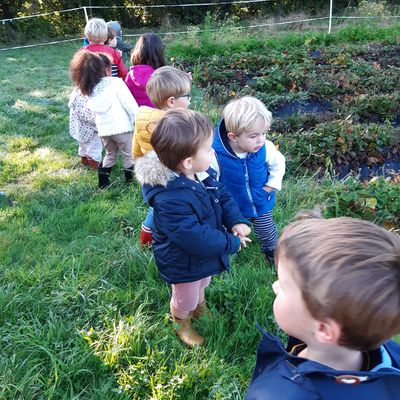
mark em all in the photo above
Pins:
pixel 83 312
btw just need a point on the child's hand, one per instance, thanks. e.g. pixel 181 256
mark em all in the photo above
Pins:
pixel 268 189
pixel 241 230
pixel 243 242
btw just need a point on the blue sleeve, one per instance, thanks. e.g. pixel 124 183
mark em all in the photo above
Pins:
pixel 180 223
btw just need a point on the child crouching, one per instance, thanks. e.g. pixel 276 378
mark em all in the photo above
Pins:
pixel 197 224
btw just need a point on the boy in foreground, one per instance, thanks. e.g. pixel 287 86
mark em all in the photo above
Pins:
pixel 338 299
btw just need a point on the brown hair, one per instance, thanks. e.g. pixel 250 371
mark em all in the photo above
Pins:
pixel 178 135
pixel 111 34
pixel 347 270
pixel 149 50
pixel 167 82
pixel 87 69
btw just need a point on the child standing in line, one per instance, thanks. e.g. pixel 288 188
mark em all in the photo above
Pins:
pixel 82 124
pixel 338 297
pixel 113 107
pixel 147 56
pixel 250 166
pixel 122 46
pixel 96 32
pixel 167 88
pixel 197 223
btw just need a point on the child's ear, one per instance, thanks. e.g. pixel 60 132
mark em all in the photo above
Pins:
pixel 187 163
pixel 231 136
pixel 171 102
pixel 328 331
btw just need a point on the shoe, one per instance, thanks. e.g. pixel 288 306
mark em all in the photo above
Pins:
pixel 269 257
pixel 146 237
pixel 187 334
pixel 104 176
pixel 92 163
pixel 84 161
pixel 200 310
pixel 128 174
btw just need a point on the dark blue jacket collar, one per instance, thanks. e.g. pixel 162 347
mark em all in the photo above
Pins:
pixel 304 366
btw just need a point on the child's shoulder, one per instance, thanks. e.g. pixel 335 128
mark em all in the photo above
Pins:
pixel 148 114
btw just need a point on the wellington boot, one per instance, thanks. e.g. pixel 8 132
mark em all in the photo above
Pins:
pixel 104 177
pixel 128 172
pixel 201 310
pixel 187 334
pixel 146 237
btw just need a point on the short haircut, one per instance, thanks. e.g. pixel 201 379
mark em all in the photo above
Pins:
pixel 96 30
pixel 111 34
pixel 87 69
pixel 149 50
pixel 348 270
pixel 179 134
pixel 167 82
pixel 240 114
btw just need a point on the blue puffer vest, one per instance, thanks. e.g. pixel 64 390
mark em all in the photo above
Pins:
pixel 243 177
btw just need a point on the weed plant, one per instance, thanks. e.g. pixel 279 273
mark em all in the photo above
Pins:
pixel 83 312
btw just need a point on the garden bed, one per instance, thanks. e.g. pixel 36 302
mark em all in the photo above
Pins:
pixel 335 108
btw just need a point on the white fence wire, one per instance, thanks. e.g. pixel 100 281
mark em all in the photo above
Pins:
pixel 330 18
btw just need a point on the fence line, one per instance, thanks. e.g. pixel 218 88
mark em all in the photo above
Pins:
pixel 181 32
pixel 210 30
pixel 186 5
pixel 40 15
pixel 138 6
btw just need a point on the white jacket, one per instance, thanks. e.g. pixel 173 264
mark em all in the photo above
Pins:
pixel 113 106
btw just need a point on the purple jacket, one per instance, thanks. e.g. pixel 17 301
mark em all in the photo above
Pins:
pixel 136 81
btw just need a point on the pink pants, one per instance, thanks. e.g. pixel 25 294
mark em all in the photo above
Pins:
pixel 186 296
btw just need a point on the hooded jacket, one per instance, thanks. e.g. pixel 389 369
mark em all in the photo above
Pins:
pixel 191 221
pixel 136 80
pixel 281 375
pixel 114 107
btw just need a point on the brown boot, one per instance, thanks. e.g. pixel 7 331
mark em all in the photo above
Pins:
pixel 187 334
pixel 92 163
pixel 200 310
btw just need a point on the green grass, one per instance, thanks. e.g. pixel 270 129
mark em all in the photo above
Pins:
pixel 83 312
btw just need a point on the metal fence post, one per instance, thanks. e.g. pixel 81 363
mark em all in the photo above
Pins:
pixel 86 16
pixel 330 16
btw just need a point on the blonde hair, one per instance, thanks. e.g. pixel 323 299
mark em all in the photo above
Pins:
pixel 96 30
pixel 240 114
pixel 347 270
pixel 167 82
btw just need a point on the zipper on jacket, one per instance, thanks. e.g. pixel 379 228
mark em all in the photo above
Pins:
pixel 246 175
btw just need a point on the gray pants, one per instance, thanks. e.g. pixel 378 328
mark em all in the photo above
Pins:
pixel 121 143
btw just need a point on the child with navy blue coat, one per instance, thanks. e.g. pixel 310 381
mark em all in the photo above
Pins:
pixel 338 299
pixel 197 223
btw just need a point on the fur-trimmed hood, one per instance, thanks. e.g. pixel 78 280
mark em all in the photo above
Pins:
pixel 150 171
